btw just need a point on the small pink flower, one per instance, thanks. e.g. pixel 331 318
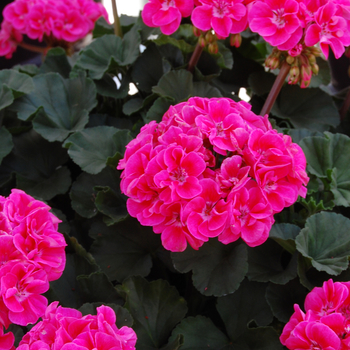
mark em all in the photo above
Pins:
pixel 166 14
pixel 224 16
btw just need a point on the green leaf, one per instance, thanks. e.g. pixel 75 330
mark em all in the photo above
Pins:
pixel 317 202
pixel 6 97
pixel 132 106
pixel 111 203
pixel 56 62
pixel 224 58
pixel 125 249
pixel 261 338
pixel 282 298
pixel 158 109
pixel 102 28
pixel 324 76
pixel 284 235
pixel 109 52
pixel 38 172
pixel 325 241
pixel 218 269
pixel 329 157
pixel 29 69
pixel 180 44
pixel 299 134
pixel 64 105
pixel 106 86
pixel 261 82
pixel 123 315
pixel 203 89
pixel 6 143
pixel 97 288
pixel 148 69
pixel 176 85
pixel 200 333
pixel 19 83
pixel 306 108
pixel 83 192
pixel 91 148
pixel 266 265
pixel 156 308
pixel 175 344
pixel 247 304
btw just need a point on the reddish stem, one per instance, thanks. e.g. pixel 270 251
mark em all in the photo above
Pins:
pixel 345 107
pixel 276 88
pixel 195 58
pixel 33 48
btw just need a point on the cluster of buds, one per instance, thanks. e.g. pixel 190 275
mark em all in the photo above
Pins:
pixel 207 38
pixel 302 60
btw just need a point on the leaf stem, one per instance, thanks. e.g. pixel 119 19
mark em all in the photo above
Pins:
pixel 117 26
pixel 195 58
pixel 345 107
pixel 33 48
pixel 276 88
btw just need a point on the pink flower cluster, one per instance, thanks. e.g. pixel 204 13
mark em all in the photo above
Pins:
pixel 287 23
pixel 31 255
pixel 66 329
pixel 326 323
pixel 54 20
pixel 211 168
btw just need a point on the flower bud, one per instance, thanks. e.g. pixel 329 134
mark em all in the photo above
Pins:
pixel 202 42
pixel 235 40
pixel 210 37
pixel 213 48
pixel 315 68
pixel 314 51
pixel 311 58
pixel 196 32
pixel 294 75
pixel 290 59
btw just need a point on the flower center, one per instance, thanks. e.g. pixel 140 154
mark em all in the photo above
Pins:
pixel 278 18
pixel 178 174
pixel 168 3
pixel 220 8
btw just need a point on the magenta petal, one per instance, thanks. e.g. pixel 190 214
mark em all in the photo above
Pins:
pixel 201 17
pixel 161 17
pixel 312 35
pixel 222 26
pixel 190 188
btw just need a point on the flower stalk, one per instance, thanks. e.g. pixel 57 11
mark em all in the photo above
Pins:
pixel 117 26
pixel 195 58
pixel 345 107
pixel 276 88
pixel 33 48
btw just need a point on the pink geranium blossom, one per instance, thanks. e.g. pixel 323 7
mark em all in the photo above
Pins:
pixel 223 16
pixel 166 14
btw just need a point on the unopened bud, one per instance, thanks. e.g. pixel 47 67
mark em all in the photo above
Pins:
pixel 210 37
pixel 314 51
pixel 290 59
pixel 196 31
pixel 235 40
pixel 274 63
pixel 213 48
pixel 306 72
pixel 315 68
pixel 202 42
pixel 311 58
pixel 294 75
pixel 305 83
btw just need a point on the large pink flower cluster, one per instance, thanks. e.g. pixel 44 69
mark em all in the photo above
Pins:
pixel 31 255
pixel 211 168
pixel 288 23
pixel 326 323
pixel 66 329
pixel 54 20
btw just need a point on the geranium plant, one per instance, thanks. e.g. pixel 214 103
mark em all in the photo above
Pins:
pixel 144 204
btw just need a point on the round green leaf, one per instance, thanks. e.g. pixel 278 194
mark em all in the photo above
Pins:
pixel 218 269
pixel 19 83
pixel 325 240
pixel 284 235
pixel 200 333
pixel 6 143
pixel 124 249
pixel 156 308
pixel 91 148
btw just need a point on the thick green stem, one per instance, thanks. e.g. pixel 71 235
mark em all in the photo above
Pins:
pixel 117 26
pixel 345 107
pixel 276 88
pixel 195 58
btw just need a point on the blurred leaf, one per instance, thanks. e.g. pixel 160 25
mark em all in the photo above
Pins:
pixel 38 172
pixel 29 69
pixel 299 134
pixel 156 308
pixel 324 76
pixel 125 249
pixel 132 106
pixel 180 44
pixel 266 264
pixel 282 298
pixel 261 82
pixel 6 143
pixel 148 69
pixel 175 344
pixel 329 157
pixel 91 148
pixel 261 338
pixel 246 304
pixel 306 108
pixel 200 333
pixel 217 269
pixel 64 105
pixel 6 97
pixel 325 240
pixel 224 58
pixel 284 235
pixel 56 62
pixel 102 27
pixel 158 109
pixel 109 52
pixel 176 85
pixel 202 89
pixel 19 83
